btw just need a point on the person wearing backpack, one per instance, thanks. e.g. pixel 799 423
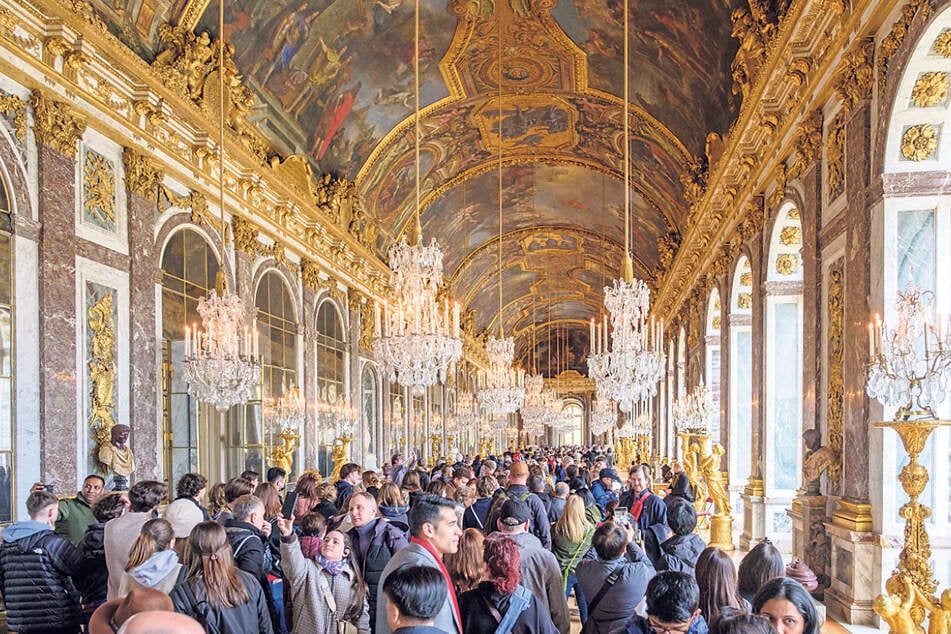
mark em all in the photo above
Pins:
pixel 538 525
pixel 500 604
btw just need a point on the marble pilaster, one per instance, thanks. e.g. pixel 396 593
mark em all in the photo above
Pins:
pixel 359 445
pixel 57 319
pixel 809 212
pixel 754 500
pixel 810 543
pixel 311 436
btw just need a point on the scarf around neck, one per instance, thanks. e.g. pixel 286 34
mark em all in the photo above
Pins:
pixel 333 567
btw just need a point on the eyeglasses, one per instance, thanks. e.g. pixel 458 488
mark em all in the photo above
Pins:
pixel 659 628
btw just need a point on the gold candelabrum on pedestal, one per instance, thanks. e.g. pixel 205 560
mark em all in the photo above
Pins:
pixel 282 455
pixel 435 439
pixel 340 455
pixel 451 442
pixel 701 463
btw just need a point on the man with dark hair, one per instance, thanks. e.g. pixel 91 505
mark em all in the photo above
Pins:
pixel 92 578
pixel 415 595
pixel 435 530
pixel 673 601
pixel 248 532
pixel 234 488
pixel 191 487
pixel 277 477
pixel 35 569
pixel 517 488
pixel 460 478
pixel 122 532
pixel 680 552
pixel 648 510
pixel 621 568
pixel 251 476
pixel 374 541
pixel 349 475
pixel 75 514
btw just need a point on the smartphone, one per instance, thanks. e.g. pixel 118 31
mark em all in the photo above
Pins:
pixel 290 500
pixel 621 515
pixel 48 487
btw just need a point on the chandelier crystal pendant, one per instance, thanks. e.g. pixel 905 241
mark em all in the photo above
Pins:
pixel 535 408
pixel 692 412
pixel 287 412
pixel 416 341
pixel 221 363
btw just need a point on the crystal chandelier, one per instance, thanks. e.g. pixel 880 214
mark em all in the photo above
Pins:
pixel 467 411
pixel 692 412
pixel 603 416
pixel 535 408
pixel 502 387
pixel 221 363
pixel 417 340
pixel 338 415
pixel 910 365
pixel 627 365
pixel 287 412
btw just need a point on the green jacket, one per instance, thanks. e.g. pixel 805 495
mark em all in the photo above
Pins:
pixel 567 552
pixel 74 516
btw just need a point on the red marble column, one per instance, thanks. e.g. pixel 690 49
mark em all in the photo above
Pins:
pixel 809 215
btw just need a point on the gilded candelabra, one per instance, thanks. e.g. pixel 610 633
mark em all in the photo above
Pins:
pixel 435 439
pixel 282 455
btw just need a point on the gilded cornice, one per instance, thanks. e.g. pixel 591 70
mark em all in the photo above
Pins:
pixel 142 174
pixel 853 81
pixel 245 235
pixel 823 31
pixel 56 124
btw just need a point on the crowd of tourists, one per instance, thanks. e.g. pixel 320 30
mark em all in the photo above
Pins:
pixel 491 544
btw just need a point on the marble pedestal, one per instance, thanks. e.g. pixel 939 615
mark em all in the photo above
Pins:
pixel 855 574
pixel 754 515
pixel 777 524
pixel 810 543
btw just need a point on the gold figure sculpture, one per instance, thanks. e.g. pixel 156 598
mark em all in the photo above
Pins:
pixel 701 464
pixel 282 455
pixel 896 610
pixel 102 373
pixel 340 455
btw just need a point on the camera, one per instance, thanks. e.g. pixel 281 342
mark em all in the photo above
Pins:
pixel 48 488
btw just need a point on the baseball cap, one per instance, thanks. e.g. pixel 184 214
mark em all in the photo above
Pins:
pixel 514 512
pixel 183 515
pixel 518 469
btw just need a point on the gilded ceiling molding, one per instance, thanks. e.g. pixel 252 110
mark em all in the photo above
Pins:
pixel 8 22
pixel 667 246
pixel 191 13
pixel 855 74
pixel 892 41
pixel 930 89
pixel 85 10
pixel 15 109
pixel 142 175
pixel 56 124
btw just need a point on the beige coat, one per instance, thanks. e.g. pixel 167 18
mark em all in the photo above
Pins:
pixel 304 579
pixel 119 536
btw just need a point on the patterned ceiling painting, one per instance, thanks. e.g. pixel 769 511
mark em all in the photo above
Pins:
pixel 333 82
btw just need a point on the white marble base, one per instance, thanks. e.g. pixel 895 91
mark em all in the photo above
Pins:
pixel 777 523
pixel 856 575
pixel 754 520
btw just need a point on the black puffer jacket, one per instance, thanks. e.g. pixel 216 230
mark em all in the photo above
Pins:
pixel 36 566
pixel 92 580
pixel 373 552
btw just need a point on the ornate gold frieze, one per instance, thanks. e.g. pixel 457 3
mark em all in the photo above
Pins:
pixel 855 74
pixel 85 10
pixel 930 89
pixel 746 279
pixel 8 22
pixel 919 142
pixel 779 190
pixel 755 32
pixel 275 250
pixel 15 109
pixel 942 44
pixel 790 235
pixel 102 368
pixel 245 235
pixel 896 36
pixel 835 156
pixel 142 175
pixel 296 172
pixel 787 263
pixel 835 384
pixel 99 190
pixel 809 137
pixel 55 124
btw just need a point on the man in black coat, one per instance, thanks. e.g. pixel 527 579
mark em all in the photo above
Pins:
pixel 349 476
pixel 36 566
pixel 374 540
pixel 247 533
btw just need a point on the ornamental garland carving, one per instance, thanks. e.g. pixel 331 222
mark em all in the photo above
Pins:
pixel 809 137
pixel 245 235
pixel 14 109
pixel 919 142
pixel 942 44
pixel 99 190
pixel 835 156
pixel 896 36
pixel 930 89
pixel 853 81
pixel 142 175
pixel 102 368
pixel 56 125
pixel 667 246
pixel 835 386
pixel 310 273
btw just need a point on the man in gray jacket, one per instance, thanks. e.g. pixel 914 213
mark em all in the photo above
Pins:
pixel 434 526
pixel 539 568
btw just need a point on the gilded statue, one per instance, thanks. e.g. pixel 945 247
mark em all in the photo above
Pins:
pixel 939 611
pixel 713 476
pixel 282 455
pixel 339 455
pixel 117 456
pixel 895 610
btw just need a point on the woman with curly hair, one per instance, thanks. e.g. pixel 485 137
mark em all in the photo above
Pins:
pixel 465 566
pixel 500 599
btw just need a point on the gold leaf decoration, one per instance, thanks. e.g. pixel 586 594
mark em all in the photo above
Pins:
pixel 787 264
pixel 142 175
pixel 245 235
pixel 794 213
pixel 930 89
pixel 744 300
pixel 746 279
pixel 99 190
pixel 15 108
pixel 716 322
pixel 790 235
pixel 102 367
pixel 919 142
pixel 835 156
pixel 56 125
pixel 310 273
pixel 942 44
pixel 835 386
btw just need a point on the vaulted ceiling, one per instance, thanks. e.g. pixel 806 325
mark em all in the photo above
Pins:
pixel 334 81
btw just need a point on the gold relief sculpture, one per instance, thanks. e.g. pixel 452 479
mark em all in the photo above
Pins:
pixel 809 137
pixel 8 22
pixel 14 108
pixel 746 279
pixel 755 217
pixel 99 189
pixel 335 196
pixel 744 300
pixel 835 383
pixel 919 142
pixel 787 263
pixel 340 454
pixel 939 610
pixel 779 191
pixel 310 273
pixel 282 455
pixel 275 250
pixel 930 89
pixel 896 610
pixel 102 369
pixel 755 35
pixel 85 10
pixel 667 246
pixel 296 172
pixel 790 235
pixel 55 124
pixel 896 36
pixel 142 175
pixel 362 228
pixel 853 81
pixel 794 213
pixel 366 326
pixel 716 322
pixel 942 44
pixel 245 235
pixel 694 180
pixel 835 156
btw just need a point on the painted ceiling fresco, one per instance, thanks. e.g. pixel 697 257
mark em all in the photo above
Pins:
pixel 538 81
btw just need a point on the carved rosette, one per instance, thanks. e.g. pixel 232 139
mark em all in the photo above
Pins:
pixel 942 44
pixel 835 156
pixel 853 81
pixel 787 263
pixel 919 142
pixel 930 89
pixel 245 235
pixel 310 274
pixel 835 383
pixel 56 125
pixel 142 175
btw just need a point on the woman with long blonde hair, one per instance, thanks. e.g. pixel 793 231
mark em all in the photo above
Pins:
pixel 153 562
pixel 570 541
pixel 215 592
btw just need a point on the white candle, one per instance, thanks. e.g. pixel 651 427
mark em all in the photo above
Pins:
pixel 871 341
pixel 376 318
pixel 188 338
pixel 455 319
pixel 591 336
pixel 254 341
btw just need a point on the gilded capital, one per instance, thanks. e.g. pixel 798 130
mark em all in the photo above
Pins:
pixel 142 174
pixel 56 125
pixel 15 108
pixel 245 235
pixel 310 273
pixel 809 137
pixel 853 81
pixel 755 217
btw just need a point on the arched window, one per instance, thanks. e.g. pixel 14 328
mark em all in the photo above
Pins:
pixel 570 433
pixel 6 356
pixel 189 267
pixel 712 365
pixel 277 337
pixel 741 377
pixel 331 375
